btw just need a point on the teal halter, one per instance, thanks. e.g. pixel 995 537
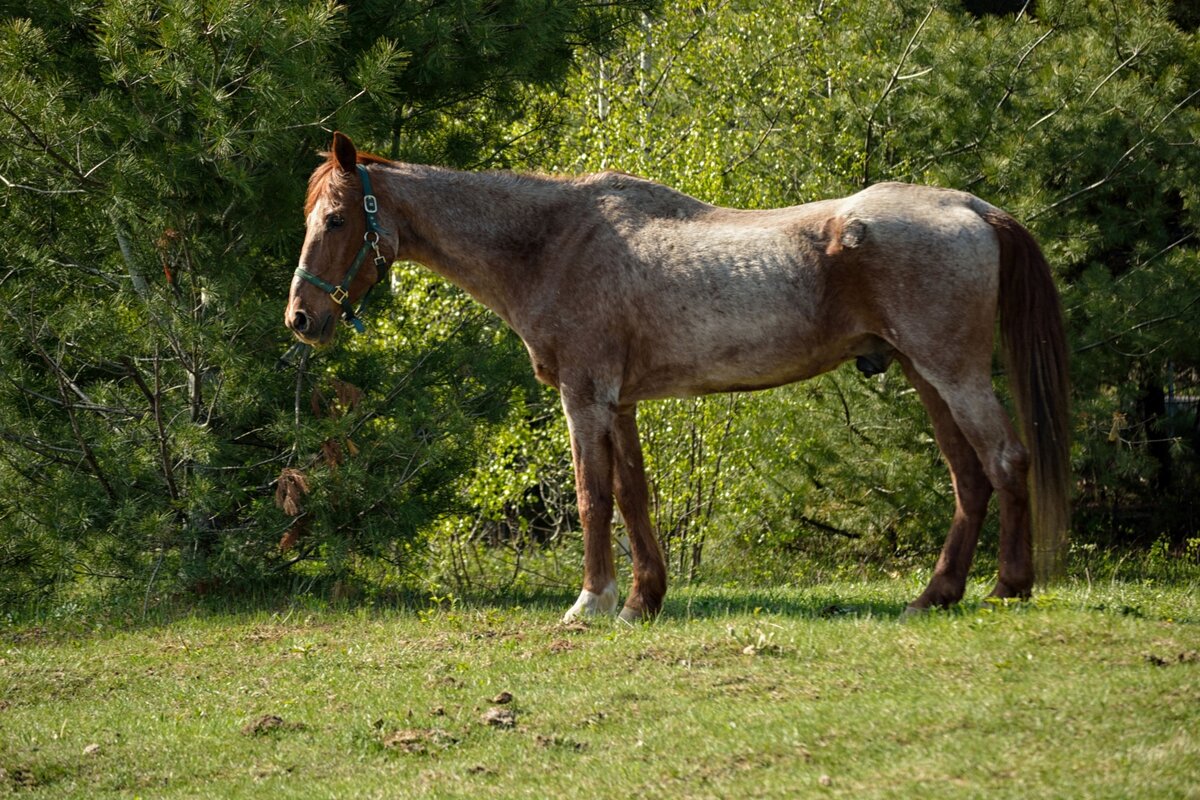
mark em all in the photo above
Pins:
pixel 341 292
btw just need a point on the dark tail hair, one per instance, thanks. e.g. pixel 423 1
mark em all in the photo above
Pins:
pixel 1035 347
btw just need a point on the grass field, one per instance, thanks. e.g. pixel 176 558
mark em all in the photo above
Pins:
pixel 1091 691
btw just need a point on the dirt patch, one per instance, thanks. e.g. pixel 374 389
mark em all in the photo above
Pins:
pixel 417 740
pixel 499 717
pixel 559 742
pixel 1170 659
pixel 18 778
pixel 269 723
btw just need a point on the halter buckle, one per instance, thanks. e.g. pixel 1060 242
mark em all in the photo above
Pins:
pixel 370 203
pixel 339 295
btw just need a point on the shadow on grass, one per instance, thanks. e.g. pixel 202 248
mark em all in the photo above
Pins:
pixel 839 599
pixel 812 604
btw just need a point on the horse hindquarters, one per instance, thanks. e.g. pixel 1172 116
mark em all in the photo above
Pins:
pixel 1034 345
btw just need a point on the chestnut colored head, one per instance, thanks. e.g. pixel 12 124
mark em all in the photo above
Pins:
pixel 335 226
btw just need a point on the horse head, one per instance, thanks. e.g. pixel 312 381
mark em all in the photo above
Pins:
pixel 344 241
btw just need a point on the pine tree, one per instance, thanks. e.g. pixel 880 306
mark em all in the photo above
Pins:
pixel 154 158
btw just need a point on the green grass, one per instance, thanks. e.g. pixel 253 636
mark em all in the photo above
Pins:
pixel 1092 691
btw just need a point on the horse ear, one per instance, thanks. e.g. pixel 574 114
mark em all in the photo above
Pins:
pixel 344 152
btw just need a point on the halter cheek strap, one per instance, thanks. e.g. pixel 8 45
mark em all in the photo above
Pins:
pixel 341 292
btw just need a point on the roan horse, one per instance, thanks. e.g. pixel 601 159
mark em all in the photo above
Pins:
pixel 625 290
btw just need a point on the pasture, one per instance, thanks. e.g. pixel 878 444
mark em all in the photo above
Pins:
pixel 1091 690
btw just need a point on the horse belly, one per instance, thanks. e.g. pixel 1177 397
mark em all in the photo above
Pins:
pixel 718 347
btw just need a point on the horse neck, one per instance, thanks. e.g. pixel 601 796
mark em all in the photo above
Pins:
pixel 484 232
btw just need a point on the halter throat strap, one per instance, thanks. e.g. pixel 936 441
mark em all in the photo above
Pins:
pixel 341 292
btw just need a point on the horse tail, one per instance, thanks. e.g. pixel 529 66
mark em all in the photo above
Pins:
pixel 1035 348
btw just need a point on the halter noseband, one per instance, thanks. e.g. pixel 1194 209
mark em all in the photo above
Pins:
pixel 341 292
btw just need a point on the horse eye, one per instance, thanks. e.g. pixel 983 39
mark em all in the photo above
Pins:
pixel 334 221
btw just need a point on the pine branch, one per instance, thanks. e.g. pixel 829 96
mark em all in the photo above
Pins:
pixel 887 90
pixel 155 399
pixel 83 178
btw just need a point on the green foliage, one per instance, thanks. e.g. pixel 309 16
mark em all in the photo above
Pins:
pixel 152 154
pixel 148 152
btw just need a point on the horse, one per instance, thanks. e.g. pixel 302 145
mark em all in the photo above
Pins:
pixel 625 290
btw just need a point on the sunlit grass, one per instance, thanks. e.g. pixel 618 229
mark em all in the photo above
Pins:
pixel 1089 691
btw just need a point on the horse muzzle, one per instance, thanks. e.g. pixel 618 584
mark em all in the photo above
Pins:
pixel 310 328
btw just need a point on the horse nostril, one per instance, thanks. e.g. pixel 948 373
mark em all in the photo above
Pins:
pixel 299 321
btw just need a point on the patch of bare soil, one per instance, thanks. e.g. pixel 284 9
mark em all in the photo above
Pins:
pixel 417 740
pixel 499 717
pixel 269 723
pixel 559 742
pixel 1169 659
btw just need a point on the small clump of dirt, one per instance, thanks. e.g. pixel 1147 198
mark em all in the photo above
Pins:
pixel 417 740
pixel 499 717
pixel 268 723
pixel 558 741
pixel 408 741
pixel 21 778
pixel 504 698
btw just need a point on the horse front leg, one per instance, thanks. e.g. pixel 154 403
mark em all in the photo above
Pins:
pixel 590 420
pixel 649 567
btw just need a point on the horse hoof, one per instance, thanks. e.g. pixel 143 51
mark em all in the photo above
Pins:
pixel 913 611
pixel 1005 592
pixel 632 616
pixel 591 604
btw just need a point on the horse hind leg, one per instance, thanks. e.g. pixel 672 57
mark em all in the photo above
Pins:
pixel 984 423
pixel 972 491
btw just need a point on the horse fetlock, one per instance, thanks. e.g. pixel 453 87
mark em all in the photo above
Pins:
pixel 593 604
pixel 643 604
pixel 942 592
pixel 631 615
pixel 1020 590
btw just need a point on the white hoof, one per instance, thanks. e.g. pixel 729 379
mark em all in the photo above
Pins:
pixel 591 604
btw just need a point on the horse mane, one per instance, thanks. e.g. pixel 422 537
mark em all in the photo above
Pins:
pixel 326 172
